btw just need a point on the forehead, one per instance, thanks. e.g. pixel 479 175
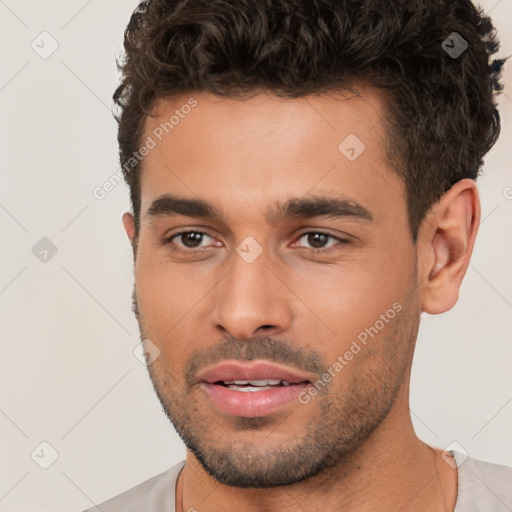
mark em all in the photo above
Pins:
pixel 247 154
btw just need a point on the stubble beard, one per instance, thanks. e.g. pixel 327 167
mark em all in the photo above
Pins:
pixel 340 420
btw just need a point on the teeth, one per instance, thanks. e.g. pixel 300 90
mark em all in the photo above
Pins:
pixel 257 383
pixel 260 382
pixel 248 388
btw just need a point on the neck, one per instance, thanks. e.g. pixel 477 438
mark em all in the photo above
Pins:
pixel 392 470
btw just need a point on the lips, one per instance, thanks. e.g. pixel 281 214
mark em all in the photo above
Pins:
pixel 250 390
pixel 257 371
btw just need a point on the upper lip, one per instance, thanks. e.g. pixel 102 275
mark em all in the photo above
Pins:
pixel 259 370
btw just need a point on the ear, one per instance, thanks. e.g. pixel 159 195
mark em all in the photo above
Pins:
pixel 445 244
pixel 129 227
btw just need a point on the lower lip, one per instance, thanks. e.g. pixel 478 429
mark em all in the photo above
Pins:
pixel 250 404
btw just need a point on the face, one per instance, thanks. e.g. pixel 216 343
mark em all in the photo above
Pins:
pixel 284 253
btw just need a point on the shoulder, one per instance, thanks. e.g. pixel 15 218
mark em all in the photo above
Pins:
pixel 155 494
pixel 483 484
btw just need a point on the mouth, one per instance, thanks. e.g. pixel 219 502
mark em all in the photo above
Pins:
pixel 255 374
pixel 251 390
pixel 252 386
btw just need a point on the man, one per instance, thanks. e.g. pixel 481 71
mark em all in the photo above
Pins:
pixel 302 177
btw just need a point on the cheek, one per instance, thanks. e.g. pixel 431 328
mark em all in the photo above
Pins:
pixel 170 298
pixel 163 319
pixel 165 291
pixel 348 299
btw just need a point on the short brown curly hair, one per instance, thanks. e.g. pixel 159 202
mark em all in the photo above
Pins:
pixel 442 116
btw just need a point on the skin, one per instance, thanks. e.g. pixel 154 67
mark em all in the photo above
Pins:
pixel 353 446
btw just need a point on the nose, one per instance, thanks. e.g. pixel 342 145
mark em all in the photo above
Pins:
pixel 252 300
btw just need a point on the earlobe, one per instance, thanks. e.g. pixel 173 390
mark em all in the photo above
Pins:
pixel 445 246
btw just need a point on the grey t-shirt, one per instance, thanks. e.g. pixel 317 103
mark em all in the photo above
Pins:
pixel 482 487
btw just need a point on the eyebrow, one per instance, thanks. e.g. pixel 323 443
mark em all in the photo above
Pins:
pixel 297 207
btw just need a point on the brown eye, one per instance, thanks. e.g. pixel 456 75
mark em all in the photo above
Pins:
pixel 189 239
pixel 318 240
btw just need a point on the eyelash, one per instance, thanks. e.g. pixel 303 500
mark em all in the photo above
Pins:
pixel 168 241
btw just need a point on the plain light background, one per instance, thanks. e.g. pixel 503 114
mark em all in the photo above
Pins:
pixel 68 373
